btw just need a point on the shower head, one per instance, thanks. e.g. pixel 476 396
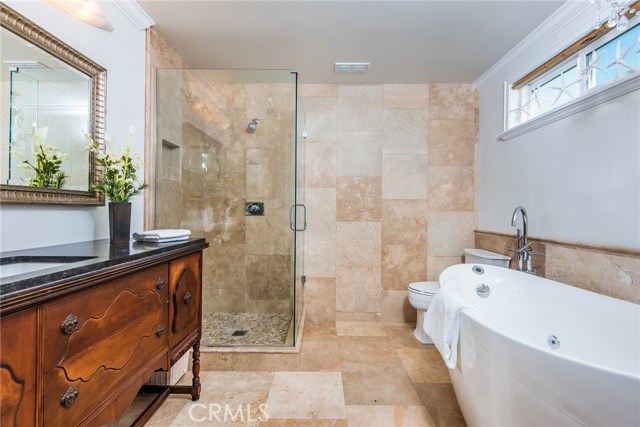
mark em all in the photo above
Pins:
pixel 253 126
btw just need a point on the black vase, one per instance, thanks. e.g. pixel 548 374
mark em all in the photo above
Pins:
pixel 119 222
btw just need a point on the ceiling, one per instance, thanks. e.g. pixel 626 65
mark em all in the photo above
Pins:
pixel 32 61
pixel 404 41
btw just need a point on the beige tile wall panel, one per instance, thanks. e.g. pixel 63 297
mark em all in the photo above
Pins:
pixel 406 96
pixel 360 107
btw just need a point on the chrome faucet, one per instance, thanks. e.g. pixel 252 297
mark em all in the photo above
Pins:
pixel 523 246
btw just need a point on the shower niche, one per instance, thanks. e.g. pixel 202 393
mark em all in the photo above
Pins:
pixel 229 174
pixel 170 155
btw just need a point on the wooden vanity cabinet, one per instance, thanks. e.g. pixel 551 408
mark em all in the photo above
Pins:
pixel 79 359
pixel 18 374
pixel 184 307
pixel 96 341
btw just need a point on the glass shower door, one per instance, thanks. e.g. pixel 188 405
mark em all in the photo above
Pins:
pixel 299 222
pixel 226 170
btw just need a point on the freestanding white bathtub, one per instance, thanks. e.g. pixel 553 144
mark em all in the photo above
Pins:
pixel 508 374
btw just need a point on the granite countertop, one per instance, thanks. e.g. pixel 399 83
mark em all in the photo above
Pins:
pixel 78 260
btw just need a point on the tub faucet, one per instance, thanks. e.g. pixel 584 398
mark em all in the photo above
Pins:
pixel 523 248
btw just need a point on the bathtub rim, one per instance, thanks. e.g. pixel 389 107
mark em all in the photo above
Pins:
pixel 477 315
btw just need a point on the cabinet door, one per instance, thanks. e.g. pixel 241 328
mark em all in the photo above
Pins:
pixel 185 278
pixel 18 369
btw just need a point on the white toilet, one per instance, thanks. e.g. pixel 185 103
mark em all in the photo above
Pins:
pixel 421 293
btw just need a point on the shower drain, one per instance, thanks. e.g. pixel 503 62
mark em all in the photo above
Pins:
pixel 239 333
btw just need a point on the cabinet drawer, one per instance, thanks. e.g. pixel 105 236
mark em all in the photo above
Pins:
pixel 76 388
pixel 185 278
pixel 75 323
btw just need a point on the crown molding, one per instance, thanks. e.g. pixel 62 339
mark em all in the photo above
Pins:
pixel 571 21
pixel 135 13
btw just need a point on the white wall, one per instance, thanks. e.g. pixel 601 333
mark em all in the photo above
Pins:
pixel 122 53
pixel 579 177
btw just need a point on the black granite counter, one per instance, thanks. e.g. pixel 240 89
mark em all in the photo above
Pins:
pixel 81 260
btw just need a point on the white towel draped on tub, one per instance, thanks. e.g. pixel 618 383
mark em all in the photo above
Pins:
pixel 442 322
pixel 163 235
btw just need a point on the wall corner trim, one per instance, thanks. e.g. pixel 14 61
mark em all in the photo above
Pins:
pixel 134 13
pixel 570 22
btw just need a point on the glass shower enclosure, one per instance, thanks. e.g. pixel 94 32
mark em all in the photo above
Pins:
pixel 47 110
pixel 227 169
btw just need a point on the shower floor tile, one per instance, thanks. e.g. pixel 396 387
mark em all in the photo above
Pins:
pixel 244 329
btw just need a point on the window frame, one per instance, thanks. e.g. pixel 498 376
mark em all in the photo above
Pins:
pixel 586 98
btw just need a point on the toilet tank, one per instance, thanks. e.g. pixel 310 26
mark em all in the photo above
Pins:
pixel 480 256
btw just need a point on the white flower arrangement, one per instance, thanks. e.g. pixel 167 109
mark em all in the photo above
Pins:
pixel 119 182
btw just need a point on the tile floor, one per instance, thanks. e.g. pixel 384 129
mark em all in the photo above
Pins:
pixel 346 374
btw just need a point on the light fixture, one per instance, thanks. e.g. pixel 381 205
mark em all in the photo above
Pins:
pixel 619 14
pixel 88 11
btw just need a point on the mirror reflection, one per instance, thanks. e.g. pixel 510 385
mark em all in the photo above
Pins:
pixel 50 96
pixel 47 109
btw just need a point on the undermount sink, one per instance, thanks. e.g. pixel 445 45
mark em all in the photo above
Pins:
pixel 12 266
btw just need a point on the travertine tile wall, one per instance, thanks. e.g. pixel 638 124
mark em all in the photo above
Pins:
pixel 248 264
pixel 208 166
pixel 606 272
pixel 389 183
pixel 614 272
pixel 389 190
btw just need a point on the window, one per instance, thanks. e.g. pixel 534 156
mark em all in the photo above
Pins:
pixel 614 59
pixel 610 59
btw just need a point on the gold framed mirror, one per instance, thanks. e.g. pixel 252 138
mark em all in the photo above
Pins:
pixel 51 94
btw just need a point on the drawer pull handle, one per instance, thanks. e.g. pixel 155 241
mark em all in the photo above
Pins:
pixel 69 325
pixel 69 397
pixel 187 297
pixel 160 284
pixel 159 331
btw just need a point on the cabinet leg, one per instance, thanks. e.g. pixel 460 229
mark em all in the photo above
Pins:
pixel 195 389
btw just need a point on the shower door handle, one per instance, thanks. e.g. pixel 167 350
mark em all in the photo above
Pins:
pixel 291 217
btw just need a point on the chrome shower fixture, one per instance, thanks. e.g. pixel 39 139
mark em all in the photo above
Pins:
pixel 253 126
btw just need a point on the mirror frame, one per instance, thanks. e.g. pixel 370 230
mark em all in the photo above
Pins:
pixel 32 33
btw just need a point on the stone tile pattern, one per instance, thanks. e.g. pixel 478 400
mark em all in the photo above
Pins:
pixel 209 166
pixel 607 271
pixel 389 186
pixel 346 374
pixel 159 55
pixel 388 177
pixel 261 329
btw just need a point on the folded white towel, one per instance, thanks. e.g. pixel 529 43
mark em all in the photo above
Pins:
pixel 162 235
pixel 442 322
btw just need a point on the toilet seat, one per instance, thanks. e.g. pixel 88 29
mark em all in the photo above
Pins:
pixel 424 288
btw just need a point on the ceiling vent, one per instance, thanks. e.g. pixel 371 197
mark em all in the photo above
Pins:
pixel 26 65
pixel 351 67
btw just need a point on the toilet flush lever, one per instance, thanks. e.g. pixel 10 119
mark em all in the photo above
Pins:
pixel 483 290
